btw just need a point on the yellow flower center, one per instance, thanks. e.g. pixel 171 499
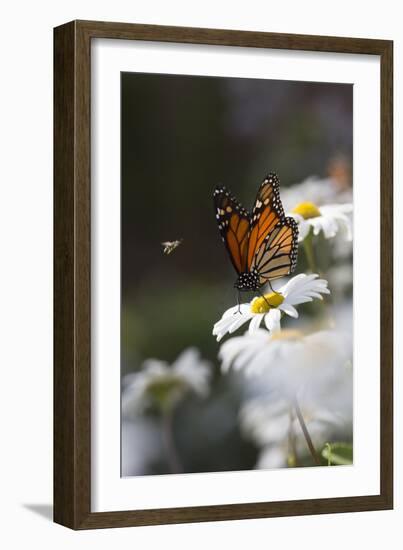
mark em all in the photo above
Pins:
pixel 264 304
pixel 287 334
pixel 307 210
pixel 166 390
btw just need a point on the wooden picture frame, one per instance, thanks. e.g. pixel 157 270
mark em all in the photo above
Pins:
pixel 72 270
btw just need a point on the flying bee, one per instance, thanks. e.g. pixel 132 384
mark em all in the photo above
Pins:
pixel 170 246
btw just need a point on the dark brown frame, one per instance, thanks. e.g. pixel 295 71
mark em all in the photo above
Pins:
pixel 72 319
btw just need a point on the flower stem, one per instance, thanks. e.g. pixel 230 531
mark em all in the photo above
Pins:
pixel 173 459
pixel 308 439
pixel 292 457
pixel 309 253
pixel 329 456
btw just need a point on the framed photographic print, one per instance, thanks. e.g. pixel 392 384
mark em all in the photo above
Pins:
pixel 223 275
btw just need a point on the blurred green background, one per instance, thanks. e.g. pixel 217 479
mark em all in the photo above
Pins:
pixel 182 135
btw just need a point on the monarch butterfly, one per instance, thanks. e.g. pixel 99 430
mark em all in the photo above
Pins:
pixel 263 245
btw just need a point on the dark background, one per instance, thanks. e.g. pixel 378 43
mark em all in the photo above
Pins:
pixel 181 135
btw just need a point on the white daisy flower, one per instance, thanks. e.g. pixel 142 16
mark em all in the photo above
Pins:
pixel 268 308
pixel 288 361
pixel 286 368
pixel 330 219
pixel 164 385
pixel 316 190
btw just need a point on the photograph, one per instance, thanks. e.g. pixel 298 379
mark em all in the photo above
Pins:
pixel 204 347
pixel 236 274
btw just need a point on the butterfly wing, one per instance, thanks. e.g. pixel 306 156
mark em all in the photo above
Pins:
pixel 266 214
pixel 266 241
pixel 277 256
pixel 234 223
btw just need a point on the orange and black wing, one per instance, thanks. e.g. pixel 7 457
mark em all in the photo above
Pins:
pixel 266 214
pixel 234 223
pixel 277 256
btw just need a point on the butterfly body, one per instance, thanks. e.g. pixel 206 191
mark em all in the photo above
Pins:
pixel 262 245
pixel 248 281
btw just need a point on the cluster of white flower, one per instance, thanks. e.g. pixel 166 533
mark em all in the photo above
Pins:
pixel 160 386
pixel 297 377
pixel 163 385
pixel 284 367
pixel 271 423
pixel 300 379
pixel 324 209
pixel 320 191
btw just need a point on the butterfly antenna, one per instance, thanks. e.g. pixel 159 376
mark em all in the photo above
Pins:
pixel 238 302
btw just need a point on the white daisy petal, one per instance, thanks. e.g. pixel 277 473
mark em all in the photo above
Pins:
pixel 245 358
pixel 229 350
pixel 301 300
pixel 292 283
pixel 272 319
pixel 316 295
pixel 239 321
pixel 255 322
pixel 289 309
pixel 303 226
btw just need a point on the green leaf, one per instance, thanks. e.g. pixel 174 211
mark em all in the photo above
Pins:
pixel 338 454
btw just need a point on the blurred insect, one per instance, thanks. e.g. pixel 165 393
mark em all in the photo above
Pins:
pixel 170 246
pixel 263 245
